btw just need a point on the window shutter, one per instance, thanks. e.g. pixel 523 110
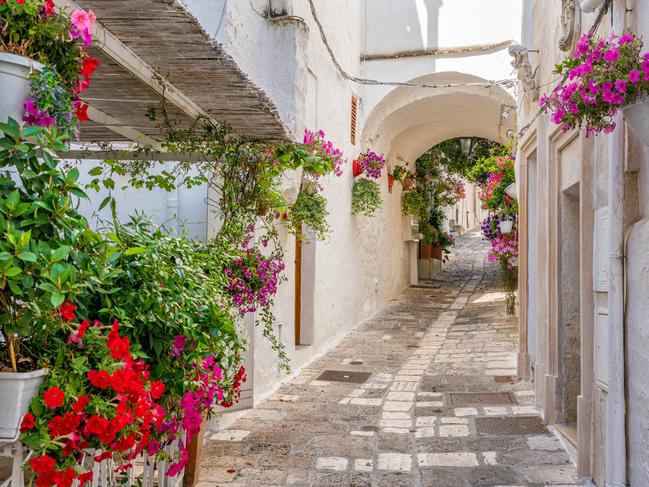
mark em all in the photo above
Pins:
pixel 353 119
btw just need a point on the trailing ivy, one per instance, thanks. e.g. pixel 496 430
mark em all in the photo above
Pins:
pixel 366 197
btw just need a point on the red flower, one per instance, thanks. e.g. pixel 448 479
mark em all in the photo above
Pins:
pixel 49 8
pixel 99 378
pixel 67 311
pixel 157 388
pixel 42 464
pixel 64 478
pixel 82 112
pixel 54 397
pixel 27 422
pixel 96 425
pixel 88 66
pixel 125 443
pixel 83 328
pixel 81 404
pixel 84 477
pixel 119 348
pixel 103 456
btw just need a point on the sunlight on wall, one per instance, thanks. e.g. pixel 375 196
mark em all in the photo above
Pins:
pixel 422 15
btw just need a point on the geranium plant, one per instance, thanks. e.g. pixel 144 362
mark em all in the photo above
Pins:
pixel 366 197
pixel 97 399
pixel 603 76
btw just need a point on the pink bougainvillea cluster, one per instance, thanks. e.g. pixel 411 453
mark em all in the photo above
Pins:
pixel 603 76
pixel 253 277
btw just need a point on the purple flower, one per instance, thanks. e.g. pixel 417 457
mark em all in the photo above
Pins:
pixel 612 55
pixel 178 345
pixel 634 76
pixel 620 85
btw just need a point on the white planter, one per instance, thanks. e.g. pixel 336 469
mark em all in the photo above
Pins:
pixel 637 116
pixel 506 226
pixel 290 183
pixel 17 389
pixel 14 85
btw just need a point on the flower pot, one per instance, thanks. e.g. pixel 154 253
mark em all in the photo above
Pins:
pixel 17 389
pixel 390 181
pixel 437 252
pixel 14 85
pixel 505 226
pixel 407 183
pixel 290 183
pixel 637 116
pixel 357 168
pixel 425 250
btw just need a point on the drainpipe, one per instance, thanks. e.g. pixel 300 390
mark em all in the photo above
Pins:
pixel 616 455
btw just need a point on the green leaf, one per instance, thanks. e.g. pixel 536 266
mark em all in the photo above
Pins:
pixel 57 299
pixel 14 271
pixel 134 251
pixel 103 204
pixel 73 175
pixel 96 171
pixel 28 256
pixel 60 253
pixel 32 131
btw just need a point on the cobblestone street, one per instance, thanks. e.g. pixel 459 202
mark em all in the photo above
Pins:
pixel 409 421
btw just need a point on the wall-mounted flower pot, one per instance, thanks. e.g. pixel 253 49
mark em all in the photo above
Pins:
pixel 14 85
pixel 506 226
pixel 637 116
pixel 407 183
pixel 17 389
pixel 437 252
pixel 290 184
pixel 390 181
pixel 356 168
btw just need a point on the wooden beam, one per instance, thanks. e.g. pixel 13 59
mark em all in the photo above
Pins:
pixel 129 155
pixel 117 126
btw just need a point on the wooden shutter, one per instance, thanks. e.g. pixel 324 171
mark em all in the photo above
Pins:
pixel 353 119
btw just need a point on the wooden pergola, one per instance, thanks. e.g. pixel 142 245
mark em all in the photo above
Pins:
pixel 150 49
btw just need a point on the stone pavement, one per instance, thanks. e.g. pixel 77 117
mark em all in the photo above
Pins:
pixel 406 425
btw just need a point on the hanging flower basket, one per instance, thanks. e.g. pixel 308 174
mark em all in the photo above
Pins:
pixel 14 84
pixel 17 389
pixel 637 116
pixel 506 226
pixel 290 183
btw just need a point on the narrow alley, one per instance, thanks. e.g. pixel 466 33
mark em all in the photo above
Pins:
pixel 425 395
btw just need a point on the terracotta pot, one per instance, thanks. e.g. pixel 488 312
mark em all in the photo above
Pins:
pixel 390 181
pixel 425 250
pixel 437 252
pixel 407 183
pixel 357 169
pixel 262 212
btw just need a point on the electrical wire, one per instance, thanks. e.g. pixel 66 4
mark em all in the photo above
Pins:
pixel 505 83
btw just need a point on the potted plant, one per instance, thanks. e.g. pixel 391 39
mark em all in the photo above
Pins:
pixel 34 35
pixel 604 76
pixel 413 203
pixel 47 255
pixel 366 197
pixel 371 164
pixel 310 210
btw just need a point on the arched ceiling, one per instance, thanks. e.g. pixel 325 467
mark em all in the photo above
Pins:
pixel 409 121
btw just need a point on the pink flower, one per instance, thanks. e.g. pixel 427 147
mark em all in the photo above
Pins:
pixel 612 55
pixel 620 85
pixel 178 345
pixel 83 20
pixel 634 76
pixel 625 39
pixel 609 128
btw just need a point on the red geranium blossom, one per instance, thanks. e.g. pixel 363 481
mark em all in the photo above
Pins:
pixel 157 388
pixel 99 378
pixel 89 65
pixel 42 464
pixel 82 112
pixel 67 311
pixel 81 404
pixel 27 422
pixel 54 397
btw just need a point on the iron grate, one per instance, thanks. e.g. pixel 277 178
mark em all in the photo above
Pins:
pixel 522 425
pixel 481 398
pixel 345 376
